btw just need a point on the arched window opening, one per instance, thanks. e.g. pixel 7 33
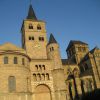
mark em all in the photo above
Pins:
pixel 23 61
pixel 34 77
pixel 40 67
pixel 12 84
pixel 38 27
pixel 79 49
pixel 5 60
pixel 41 38
pixel 43 66
pixel 36 67
pixel 82 86
pixel 84 49
pixel 29 38
pixel 32 38
pixel 15 60
pixel 38 77
pixel 70 91
pixel 30 26
pixel 89 86
pixel 43 77
pixel 52 48
pixel 47 76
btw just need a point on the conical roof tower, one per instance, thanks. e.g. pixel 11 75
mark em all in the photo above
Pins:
pixel 52 39
pixel 31 13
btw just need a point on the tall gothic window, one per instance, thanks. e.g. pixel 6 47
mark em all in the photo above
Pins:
pixel 70 91
pixel 5 60
pixel 15 60
pixel 82 86
pixel 89 86
pixel 12 83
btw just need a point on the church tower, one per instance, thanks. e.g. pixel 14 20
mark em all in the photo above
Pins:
pixel 58 71
pixel 34 36
pixel 76 51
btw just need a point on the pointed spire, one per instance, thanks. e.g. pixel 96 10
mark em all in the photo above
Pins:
pixel 52 39
pixel 31 13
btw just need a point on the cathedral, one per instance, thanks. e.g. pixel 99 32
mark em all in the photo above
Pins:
pixel 37 72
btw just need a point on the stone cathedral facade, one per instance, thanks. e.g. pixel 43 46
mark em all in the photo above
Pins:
pixel 37 72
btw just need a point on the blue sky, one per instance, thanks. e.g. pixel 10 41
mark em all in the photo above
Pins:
pixel 66 19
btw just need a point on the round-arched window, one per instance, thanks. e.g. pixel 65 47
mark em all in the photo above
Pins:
pixel 30 26
pixel 38 27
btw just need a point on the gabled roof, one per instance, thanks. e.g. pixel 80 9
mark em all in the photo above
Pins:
pixel 96 48
pixel 85 58
pixel 72 42
pixel 67 62
pixel 52 39
pixel 31 14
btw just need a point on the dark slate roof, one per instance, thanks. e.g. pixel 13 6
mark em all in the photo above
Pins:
pixel 96 48
pixel 31 14
pixel 72 42
pixel 66 62
pixel 86 73
pixel 52 39
pixel 85 58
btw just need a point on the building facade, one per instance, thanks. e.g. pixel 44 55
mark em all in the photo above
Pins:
pixel 37 72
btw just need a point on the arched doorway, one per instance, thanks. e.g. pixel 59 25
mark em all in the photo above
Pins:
pixel 42 92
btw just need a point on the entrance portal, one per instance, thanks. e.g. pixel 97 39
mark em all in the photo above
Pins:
pixel 42 92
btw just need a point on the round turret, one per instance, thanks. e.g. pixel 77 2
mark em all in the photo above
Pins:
pixel 58 71
pixel 14 71
pixel 53 52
